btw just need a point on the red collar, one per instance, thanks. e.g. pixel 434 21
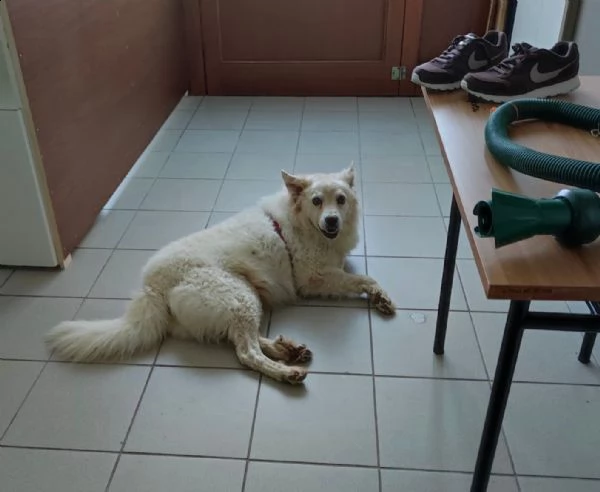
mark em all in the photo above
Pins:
pixel 277 229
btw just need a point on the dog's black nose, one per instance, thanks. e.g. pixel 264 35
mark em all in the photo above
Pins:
pixel 331 222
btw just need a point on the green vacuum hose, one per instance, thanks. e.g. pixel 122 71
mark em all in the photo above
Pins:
pixel 573 216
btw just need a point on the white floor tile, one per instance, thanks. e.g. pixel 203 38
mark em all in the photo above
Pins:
pixel 217 217
pixel 400 199
pixel 338 337
pixel 195 412
pixel 161 473
pixel 392 104
pixel 259 166
pixel 25 320
pixel 273 120
pixel 74 281
pixel 330 121
pixel 330 420
pixel 382 143
pixel 108 229
pixel 403 346
pixel 444 195
pixel 130 194
pixel 196 165
pixel 330 104
pixel 218 119
pixel 16 378
pixel 278 103
pixel 189 102
pixel 149 165
pixel 193 195
pixel 208 141
pixel 122 276
pixel 327 163
pixel 430 143
pixel 414 283
pixel 430 424
pixel 36 470
pixel 235 196
pixel 165 140
pixel 401 122
pixel 544 356
pixel 418 481
pixel 5 273
pixel 553 429
pixel 392 168
pixel 534 484
pixel 438 169
pixel 259 141
pixel 179 119
pixel 230 103
pixel 275 477
pixel 405 236
pixel 153 230
pixel 85 406
pixel 312 142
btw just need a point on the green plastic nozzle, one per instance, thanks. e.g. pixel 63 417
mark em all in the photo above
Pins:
pixel 572 217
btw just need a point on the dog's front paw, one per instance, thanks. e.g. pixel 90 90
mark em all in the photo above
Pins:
pixel 382 302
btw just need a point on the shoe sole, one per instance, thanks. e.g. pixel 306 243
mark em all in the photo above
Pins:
pixel 548 91
pixel 438 87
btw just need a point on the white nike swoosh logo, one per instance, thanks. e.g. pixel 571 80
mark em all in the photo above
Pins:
pixel 539 77
pixel 475 64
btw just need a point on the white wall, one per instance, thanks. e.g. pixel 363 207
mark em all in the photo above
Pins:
pixel 587 35
pixel 25 237
pixel 538 22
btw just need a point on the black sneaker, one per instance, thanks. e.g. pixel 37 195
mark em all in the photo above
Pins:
pixel 468 53
pixel 529 72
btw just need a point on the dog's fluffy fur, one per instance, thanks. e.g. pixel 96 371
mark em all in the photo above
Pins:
pixel 214 284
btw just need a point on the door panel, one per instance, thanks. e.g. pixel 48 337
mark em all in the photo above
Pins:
pixel 312 47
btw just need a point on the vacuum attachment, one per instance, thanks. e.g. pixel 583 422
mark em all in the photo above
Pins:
pixel 572 217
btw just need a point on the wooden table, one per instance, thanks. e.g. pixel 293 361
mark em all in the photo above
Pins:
pixel 534 269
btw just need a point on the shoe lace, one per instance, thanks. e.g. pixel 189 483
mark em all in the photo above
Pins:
pixel 456 46
pixel 520 52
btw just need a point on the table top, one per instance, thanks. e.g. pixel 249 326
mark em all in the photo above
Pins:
pixel 533 269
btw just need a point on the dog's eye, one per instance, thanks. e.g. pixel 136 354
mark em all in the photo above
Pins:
pixel 317 201
pixel 341 199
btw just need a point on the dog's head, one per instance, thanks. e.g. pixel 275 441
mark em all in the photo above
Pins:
pixel 327 201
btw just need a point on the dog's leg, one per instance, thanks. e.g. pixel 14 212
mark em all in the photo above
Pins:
pixel 340 283
pixel 211 303
pixel 249 353
pixel 285 349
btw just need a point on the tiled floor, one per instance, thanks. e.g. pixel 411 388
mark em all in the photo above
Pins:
pixel 378 413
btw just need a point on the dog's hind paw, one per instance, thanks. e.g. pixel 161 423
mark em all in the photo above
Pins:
pixel 294 354
pixel 296 375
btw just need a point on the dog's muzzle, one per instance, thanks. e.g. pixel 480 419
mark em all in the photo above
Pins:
pixel 332 227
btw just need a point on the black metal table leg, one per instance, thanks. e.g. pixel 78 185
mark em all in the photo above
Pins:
pixel 447 278
pixel 589 339
pixel 507 361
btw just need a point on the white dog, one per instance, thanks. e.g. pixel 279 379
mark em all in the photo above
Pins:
pixel 214 284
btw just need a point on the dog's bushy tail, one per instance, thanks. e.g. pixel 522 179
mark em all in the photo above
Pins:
pixel 143 326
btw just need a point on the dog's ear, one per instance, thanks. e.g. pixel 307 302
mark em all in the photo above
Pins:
pixel 348 175
pixel 294 184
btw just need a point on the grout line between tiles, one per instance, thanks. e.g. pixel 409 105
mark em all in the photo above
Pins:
pixel 252 426
pixel 14 417
pixel 371 347
pixel 311 463
pixel 124 442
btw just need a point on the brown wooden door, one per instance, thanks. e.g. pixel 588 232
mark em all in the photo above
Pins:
pixel 302 47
